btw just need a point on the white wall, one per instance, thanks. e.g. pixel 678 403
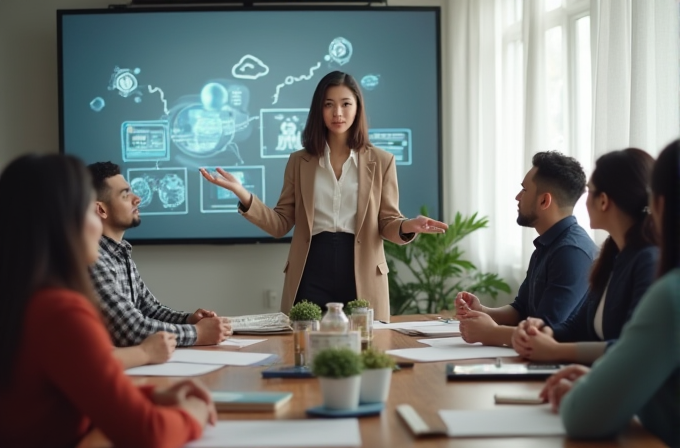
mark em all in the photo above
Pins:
pixel 229 279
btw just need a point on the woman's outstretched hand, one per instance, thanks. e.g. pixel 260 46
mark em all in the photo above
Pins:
pixel 228 181
pixel 423 224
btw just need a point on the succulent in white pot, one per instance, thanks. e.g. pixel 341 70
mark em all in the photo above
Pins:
pixel 376 376
pixel 339 373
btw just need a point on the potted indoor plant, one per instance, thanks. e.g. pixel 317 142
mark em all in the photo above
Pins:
pixel 359 303
pixel 376 376
pixel 361 319
pixel 304 317
pixel 339 373
pixel 438 270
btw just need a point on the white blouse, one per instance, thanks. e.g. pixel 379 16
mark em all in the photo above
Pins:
pixel 599 314
pixel 335 200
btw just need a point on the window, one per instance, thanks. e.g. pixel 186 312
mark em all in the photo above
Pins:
pixel 565 87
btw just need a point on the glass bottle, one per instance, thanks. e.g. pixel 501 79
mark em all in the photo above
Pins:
pixel 362 321
pixel 301 330
pixel 335 319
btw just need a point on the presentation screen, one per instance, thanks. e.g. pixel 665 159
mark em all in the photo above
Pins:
pixel 165 92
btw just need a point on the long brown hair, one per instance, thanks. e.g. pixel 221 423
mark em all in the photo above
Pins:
pixel 315 133
pixel 666 184
pixel 41 239
pixel 624 176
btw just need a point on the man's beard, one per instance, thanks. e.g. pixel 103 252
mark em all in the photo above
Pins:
pixel 135 222
pixel 526 220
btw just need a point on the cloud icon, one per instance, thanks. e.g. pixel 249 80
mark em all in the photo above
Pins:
pixel 249 67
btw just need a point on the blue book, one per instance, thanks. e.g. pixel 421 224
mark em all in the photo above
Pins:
pixel 287 372
pixel 249 401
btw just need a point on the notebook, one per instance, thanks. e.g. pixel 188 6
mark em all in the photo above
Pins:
pixel 250 401
pixel 269 323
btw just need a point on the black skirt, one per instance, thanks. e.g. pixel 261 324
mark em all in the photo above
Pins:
pixel 329 271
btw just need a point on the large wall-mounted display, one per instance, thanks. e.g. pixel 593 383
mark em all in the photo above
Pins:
pixel 165 92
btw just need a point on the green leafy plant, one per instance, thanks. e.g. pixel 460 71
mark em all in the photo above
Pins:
pixel 305 310
pixel 336 363
pixel 439 270
pixel 373 358
pixel 359 303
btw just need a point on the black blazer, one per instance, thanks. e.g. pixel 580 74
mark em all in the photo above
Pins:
pixel 634 271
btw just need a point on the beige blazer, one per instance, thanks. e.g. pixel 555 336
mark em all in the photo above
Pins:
pixel 378 217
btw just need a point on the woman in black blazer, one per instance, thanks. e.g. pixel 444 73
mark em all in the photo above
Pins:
pixel 618 203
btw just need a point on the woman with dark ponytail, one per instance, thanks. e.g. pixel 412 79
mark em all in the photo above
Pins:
pixel 640 375
pixel 617 203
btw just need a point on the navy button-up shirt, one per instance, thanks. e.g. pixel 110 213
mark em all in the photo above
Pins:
pixel 557 278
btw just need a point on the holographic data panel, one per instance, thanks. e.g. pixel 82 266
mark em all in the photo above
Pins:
pixel 216 199
pixel 145 141
pixel 396 141
pixel 162 191
pixel 281 131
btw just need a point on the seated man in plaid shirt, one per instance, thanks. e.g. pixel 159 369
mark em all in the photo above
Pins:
pixel 131 312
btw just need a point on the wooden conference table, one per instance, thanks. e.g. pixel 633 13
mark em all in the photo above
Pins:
pixel 424 387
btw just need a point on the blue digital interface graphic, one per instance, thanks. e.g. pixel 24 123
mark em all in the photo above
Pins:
pixel 219 200
pixel 396 141
pixel 163 191
pixel 145 141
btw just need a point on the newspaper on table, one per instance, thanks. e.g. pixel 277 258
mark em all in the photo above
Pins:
pixel 269 323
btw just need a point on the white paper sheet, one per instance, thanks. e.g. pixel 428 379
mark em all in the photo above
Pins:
pixel 280 433
pixel 453 342
pixel 223 358
pixel 235 342
pixel 423 323
pixel 447 330
pixel 173 369
pixel 506 422
pixel 466 351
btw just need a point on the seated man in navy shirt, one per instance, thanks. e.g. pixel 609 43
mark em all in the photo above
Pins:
pixel 557 278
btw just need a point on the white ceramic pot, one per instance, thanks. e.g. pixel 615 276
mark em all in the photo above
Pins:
pixel 375 385
pixel 341 393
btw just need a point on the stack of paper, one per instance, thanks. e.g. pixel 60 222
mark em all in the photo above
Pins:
pixel 261 324
pixel 240 343
pixel 450 349
pixel 188 362
pixel 507 422
pixel 173 369
pixel 219 357
pixel 280 433
pixel 428 328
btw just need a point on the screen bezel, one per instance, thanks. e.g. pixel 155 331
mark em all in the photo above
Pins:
pixel 125 9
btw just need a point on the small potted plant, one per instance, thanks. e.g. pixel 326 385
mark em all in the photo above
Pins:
pixel 339 373
pixel 361 319
pixel 376 376
pixel 305 317
pixel 359 303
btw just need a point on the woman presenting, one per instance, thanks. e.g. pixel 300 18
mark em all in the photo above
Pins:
pixel 341 195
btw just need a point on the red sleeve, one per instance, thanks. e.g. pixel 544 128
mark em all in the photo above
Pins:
pixel 80 363
pixel 147 391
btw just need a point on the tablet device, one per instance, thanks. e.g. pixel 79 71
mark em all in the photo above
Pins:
pixel 499 371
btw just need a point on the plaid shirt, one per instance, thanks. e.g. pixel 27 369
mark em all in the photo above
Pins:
pixel 130 311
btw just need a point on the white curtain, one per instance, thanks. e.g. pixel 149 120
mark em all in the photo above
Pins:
pixel 499 113
pixel 496 129
pixel 635 74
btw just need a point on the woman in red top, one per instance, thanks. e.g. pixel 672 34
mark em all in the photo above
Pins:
pixel 58 377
